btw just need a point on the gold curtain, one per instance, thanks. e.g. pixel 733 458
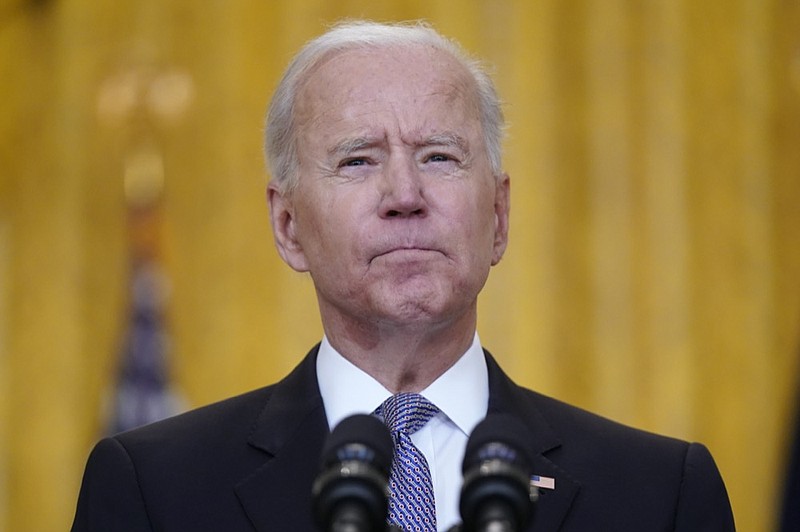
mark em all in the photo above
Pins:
pixel 653 273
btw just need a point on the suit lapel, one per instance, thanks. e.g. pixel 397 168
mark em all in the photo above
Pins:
pixel 507 397
pixel 291 430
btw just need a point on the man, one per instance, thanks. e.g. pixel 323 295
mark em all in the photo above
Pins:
pixel 384 145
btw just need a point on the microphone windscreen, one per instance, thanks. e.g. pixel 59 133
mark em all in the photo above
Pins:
pixel 498 436
pixel 360 437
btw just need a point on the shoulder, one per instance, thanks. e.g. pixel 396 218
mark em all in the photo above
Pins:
pixel 141 477
pixel 575 432
pixel 213 439
pixel 647 477
pixel 592 446
pixel 575 425
pixel 182 472
pixel 229 421
pixel 231 418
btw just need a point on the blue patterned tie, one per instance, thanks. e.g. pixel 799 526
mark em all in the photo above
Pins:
pixel 411 503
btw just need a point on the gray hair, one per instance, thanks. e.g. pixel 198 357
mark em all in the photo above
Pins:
pixel 281 142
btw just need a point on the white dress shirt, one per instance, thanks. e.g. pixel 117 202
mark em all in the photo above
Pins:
pixel 461 394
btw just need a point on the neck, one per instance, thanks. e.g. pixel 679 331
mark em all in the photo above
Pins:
pixel 404 358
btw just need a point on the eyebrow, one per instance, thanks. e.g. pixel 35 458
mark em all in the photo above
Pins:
pixel 349 145
pixel 447 138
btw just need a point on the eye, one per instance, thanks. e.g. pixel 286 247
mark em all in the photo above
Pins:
pixel 439 158
pixel 355 161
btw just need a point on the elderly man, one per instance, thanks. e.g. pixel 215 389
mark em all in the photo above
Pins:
pixel 384 145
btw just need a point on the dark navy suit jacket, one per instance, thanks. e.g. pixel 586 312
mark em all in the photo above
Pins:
pixel 247 464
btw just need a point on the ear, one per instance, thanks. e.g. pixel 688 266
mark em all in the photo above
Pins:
pixel 502 206
pixel 284 228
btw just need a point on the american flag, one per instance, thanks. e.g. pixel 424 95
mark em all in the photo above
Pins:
pixel 142 390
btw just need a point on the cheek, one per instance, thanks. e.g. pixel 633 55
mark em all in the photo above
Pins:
pixel 327 228
pixel 484 233
pixel 309 224
pixel 481 211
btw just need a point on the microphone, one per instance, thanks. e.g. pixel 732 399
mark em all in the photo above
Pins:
pixel 496 495
pixel 351 492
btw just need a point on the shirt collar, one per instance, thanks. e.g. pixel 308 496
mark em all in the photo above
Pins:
pixel 461 393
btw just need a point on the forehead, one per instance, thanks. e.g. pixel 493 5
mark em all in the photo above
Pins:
pixel 415 86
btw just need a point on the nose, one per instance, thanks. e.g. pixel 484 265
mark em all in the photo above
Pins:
pixel 402 192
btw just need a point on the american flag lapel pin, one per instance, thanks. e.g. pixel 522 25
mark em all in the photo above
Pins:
pixel 547 483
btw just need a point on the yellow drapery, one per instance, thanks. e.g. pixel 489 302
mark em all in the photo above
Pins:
pixel 653 273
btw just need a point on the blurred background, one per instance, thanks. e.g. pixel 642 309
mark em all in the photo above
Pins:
pixel 653 273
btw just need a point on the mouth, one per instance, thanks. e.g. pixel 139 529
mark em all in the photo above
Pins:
pixel 408 253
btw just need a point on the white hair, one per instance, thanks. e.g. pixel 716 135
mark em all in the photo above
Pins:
pixel 281 145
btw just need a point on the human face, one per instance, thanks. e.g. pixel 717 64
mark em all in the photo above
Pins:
pixel 396 213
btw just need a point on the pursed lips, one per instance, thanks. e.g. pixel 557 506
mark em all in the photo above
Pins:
pixel 410 251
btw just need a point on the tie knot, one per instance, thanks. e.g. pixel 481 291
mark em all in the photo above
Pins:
pixel 406 412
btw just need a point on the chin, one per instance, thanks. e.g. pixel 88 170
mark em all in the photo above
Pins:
pixel 424 309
